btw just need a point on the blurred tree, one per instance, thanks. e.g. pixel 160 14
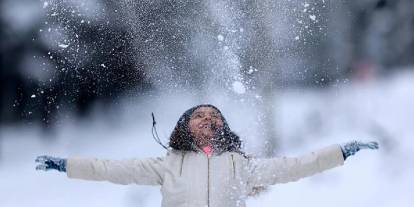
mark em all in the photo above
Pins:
pixel 64 64
pixel 379 33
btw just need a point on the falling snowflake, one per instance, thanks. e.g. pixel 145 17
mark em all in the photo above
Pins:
pixel 313 17
pixel 250 71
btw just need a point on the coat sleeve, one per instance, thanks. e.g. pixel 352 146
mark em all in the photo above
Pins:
pixel 263 172
pixel 130 171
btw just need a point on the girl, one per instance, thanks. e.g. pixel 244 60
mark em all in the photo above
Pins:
pixel 205 165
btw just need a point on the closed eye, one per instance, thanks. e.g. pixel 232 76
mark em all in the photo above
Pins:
pixel 215 115
pixel 198 115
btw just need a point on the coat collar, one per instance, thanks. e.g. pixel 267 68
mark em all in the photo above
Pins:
pixel 214 150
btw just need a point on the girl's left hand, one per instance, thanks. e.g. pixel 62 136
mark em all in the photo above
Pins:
pixel 351 148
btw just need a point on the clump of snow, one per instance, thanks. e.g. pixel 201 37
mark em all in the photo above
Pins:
pixel 63 45
pixel 313 17
pixel 238 87
pixel 220 37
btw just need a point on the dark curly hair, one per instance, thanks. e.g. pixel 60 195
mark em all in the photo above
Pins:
pixel 182 139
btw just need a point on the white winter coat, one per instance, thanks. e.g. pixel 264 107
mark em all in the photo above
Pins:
pixel 193 179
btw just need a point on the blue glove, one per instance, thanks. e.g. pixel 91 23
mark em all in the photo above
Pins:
pixel 47 163
pixel 351 148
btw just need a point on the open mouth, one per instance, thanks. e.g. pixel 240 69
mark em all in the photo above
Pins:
pixel 206 126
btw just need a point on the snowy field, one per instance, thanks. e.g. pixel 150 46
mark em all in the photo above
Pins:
pixel 306 119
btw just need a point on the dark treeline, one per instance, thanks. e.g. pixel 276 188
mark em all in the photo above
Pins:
pixel 72 56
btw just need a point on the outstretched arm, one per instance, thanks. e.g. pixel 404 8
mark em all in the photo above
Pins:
pixel 271 171
pixel 287 169
pixel 139 171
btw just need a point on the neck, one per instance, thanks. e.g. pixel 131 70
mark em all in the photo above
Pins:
pixel 203 142
pixel 207 149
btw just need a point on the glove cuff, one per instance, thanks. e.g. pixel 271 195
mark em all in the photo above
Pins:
pixel 349 149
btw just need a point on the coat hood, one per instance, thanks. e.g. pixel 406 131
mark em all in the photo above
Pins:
pixel 182 139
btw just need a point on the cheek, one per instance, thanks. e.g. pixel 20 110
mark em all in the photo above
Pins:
pixel 192 125
pixel 219 123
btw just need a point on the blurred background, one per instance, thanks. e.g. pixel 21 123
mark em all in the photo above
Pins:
pixel 81 78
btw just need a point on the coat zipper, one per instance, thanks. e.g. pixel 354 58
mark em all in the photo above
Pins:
pixel 182 164
pixel 234 166
pixel 208 181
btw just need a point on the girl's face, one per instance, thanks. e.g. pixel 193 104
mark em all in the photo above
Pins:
pixel 203 124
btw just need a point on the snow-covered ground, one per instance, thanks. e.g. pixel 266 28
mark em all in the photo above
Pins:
pixel 305 120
